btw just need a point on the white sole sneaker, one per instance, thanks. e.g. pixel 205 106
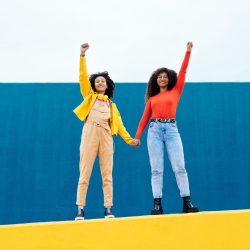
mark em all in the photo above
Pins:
pixel 79 218
pixel 109 216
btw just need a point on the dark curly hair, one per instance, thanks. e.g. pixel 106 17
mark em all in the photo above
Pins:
pixel 110 83
pixel 153 87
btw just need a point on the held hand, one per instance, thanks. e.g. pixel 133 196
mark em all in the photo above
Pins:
pixel 135 143
pixel 84 48
pixel 189 46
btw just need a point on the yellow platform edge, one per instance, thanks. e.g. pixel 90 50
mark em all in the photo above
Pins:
pixel 205 230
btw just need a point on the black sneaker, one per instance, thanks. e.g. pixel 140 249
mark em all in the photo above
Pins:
pixel 80 215
pixel 108 213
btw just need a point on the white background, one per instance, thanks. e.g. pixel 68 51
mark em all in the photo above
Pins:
pixel 39 40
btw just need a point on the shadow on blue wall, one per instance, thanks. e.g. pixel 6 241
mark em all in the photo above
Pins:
pixel 39 154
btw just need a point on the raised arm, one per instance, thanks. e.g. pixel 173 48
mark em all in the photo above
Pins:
pixel 144 120
pixel 182 73
pixel 85 85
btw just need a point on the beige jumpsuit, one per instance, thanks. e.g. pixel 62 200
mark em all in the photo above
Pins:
pixel 96 140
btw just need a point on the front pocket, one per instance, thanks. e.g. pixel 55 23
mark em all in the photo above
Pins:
pixel 151 124
pixel 173 125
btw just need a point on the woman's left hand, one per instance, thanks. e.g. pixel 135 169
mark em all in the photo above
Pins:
pixel 135 143
pixel 189 46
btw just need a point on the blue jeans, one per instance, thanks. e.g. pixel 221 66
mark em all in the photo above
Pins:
pixel 161 135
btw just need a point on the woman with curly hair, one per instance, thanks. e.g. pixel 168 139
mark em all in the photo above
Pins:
pixel 162 96
pixel 102 121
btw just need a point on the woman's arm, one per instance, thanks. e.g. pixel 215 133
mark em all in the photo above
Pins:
pixel 144 120
pixel 85 85
pixel 123 132
pixel 182 73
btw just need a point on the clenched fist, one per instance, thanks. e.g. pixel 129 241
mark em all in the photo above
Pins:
pixel 189 46
pixel 84 48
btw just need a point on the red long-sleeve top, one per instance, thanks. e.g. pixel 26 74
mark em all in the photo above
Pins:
pixel 164 104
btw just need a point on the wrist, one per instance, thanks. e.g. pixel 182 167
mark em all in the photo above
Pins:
pixel 82 54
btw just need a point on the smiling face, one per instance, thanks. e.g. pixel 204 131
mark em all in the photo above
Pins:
pixel 162 80
pixel 100 84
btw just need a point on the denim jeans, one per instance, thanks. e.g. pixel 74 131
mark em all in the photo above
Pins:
pixel 161 135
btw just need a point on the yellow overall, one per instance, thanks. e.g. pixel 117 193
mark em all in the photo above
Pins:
pixel 96 140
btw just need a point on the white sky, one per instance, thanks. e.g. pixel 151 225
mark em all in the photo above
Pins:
pixel 40 40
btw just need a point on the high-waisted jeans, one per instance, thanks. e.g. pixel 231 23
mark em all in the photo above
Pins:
pixel 161 135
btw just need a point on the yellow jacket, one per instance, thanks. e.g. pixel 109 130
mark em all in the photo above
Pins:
pixel 90 96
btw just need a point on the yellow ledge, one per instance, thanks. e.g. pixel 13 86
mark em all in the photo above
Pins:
pixel 204 230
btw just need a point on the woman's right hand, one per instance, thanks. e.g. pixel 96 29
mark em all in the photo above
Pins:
pixel 84 48
pixel 135 143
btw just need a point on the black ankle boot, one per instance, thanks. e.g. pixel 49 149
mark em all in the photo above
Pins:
pixel 188 207
pixel 157 207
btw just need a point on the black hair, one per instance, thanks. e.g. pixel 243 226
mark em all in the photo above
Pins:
pixel 110 83
pixel 153 88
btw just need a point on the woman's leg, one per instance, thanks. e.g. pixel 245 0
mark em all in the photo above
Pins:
pixel 88 151
pixel 156 158
pixel 106 165
pixel 176 156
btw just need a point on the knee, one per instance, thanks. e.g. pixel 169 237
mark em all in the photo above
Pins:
pixel 107 180
pixel 180 170
pixel 107 174
pixel 156 172
pixel 84 180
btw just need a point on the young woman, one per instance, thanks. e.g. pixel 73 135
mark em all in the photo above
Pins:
pixel 102 121
pixel 162 96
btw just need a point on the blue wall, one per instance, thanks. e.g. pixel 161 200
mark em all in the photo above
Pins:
pixel 39 152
